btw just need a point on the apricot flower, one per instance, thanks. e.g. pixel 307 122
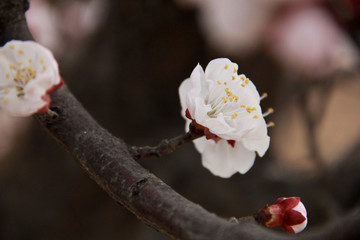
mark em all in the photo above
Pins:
pixel 28 74
pixel 226 107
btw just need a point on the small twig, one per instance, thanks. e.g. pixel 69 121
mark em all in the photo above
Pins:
pixel 166 146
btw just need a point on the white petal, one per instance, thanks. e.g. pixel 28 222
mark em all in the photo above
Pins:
pixel 26 51
pixel 183 90
pixel 6 77
pixel 243 158
pixel 301 209
pixel 217 125
pixel 299 227
pixel 223 160
pixel 257 138
pixel 220 69
pixel 200 144
pixel 200 110
pixel 198 88
pixel 23 107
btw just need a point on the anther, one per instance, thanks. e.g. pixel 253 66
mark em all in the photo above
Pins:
pixel 219 82
pixel 269 111
pixel 264 95
pixel 270 124
pixel 21 51
pixel 226 66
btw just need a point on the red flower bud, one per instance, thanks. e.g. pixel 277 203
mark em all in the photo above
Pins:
pixel 289 213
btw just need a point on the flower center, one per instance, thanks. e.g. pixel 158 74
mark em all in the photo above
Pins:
pixel 225 97
pixel 20 74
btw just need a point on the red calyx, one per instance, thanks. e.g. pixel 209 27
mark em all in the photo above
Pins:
pixel 47 99
pixel 54 88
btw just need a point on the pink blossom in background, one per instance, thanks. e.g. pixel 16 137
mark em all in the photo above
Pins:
pixel 305 38
pixel 234 26
pixel 80 18
pixel 300 34
pixel 43 21
pixel 64 25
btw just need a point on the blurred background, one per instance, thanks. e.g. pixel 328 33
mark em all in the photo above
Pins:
pixel 124 60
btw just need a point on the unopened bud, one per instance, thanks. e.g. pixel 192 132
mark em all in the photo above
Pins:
pixel 288 213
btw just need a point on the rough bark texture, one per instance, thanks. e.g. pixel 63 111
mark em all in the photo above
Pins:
pixel 109 162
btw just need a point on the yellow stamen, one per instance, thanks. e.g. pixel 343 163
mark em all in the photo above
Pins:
pixel 226 66
pixel 271 124
pixel 256 117
pixel 7 75
pixel 233 116
pixel 6 100
pixel 12 46
pixel 243 85
pixel 242 78
pixel 247 81
pixel 44 68
pixel 233 77
pixel 225 99
pixel 235 70
pixel 264 95
pixel 12 66
pixel 42 61
pixel 225 83
pixel 21 51
pixel 7 90
pixel 30 60
pixel 250 109
pixel 243 105
pixel 270 110
pixel 219 82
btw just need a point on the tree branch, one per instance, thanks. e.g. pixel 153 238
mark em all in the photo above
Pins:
pixel 166 146
pixel 112 166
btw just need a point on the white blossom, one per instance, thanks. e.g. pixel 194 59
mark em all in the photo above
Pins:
pixel 28 74
pixel 227 106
